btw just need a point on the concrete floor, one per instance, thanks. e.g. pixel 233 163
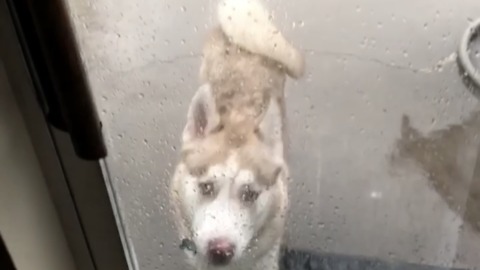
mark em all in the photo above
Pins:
pixel 378 168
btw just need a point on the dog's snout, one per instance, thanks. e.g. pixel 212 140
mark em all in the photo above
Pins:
pixel 220 251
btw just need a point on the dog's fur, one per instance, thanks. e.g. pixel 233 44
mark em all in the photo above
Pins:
pixel 233 141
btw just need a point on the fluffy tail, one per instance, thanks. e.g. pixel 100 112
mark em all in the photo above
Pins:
pixel 247 23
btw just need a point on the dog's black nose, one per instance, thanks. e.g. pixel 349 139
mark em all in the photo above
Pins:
pixel 220 252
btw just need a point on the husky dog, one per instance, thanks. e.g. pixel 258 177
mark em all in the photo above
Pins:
pixel 229 190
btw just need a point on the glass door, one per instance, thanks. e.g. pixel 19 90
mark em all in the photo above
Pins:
pixel 383 145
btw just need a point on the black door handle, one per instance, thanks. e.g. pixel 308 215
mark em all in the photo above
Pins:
pixel 52 53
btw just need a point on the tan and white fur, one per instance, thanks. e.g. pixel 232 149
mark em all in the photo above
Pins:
pixel 229 190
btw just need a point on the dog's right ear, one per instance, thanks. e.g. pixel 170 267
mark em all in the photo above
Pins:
pixel 202 115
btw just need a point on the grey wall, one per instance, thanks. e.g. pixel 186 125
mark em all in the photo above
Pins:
pixel 28 221
pixel 359 186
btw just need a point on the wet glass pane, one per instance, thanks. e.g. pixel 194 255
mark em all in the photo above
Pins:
pixel 382 128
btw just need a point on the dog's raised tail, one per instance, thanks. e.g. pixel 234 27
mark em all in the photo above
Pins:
pixel 248 24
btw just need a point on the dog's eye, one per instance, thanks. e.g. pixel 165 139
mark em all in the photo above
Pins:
pixel 249 195
pixel 206 189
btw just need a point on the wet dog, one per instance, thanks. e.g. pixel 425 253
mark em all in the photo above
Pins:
pixel 229 190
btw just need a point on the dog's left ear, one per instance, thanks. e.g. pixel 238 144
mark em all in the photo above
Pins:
pixel 270 129
pixel 202 115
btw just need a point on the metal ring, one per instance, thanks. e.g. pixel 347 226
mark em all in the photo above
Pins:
pixel 473 72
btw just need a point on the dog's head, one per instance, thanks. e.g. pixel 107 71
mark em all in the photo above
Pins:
pixel 227 187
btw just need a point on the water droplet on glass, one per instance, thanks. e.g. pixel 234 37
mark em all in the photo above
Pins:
pixel 298 24
pixel 391 255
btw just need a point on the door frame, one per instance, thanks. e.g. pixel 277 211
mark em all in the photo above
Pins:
pixel 80 188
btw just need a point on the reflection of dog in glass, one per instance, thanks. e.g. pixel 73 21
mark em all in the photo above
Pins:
pixel 229 190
